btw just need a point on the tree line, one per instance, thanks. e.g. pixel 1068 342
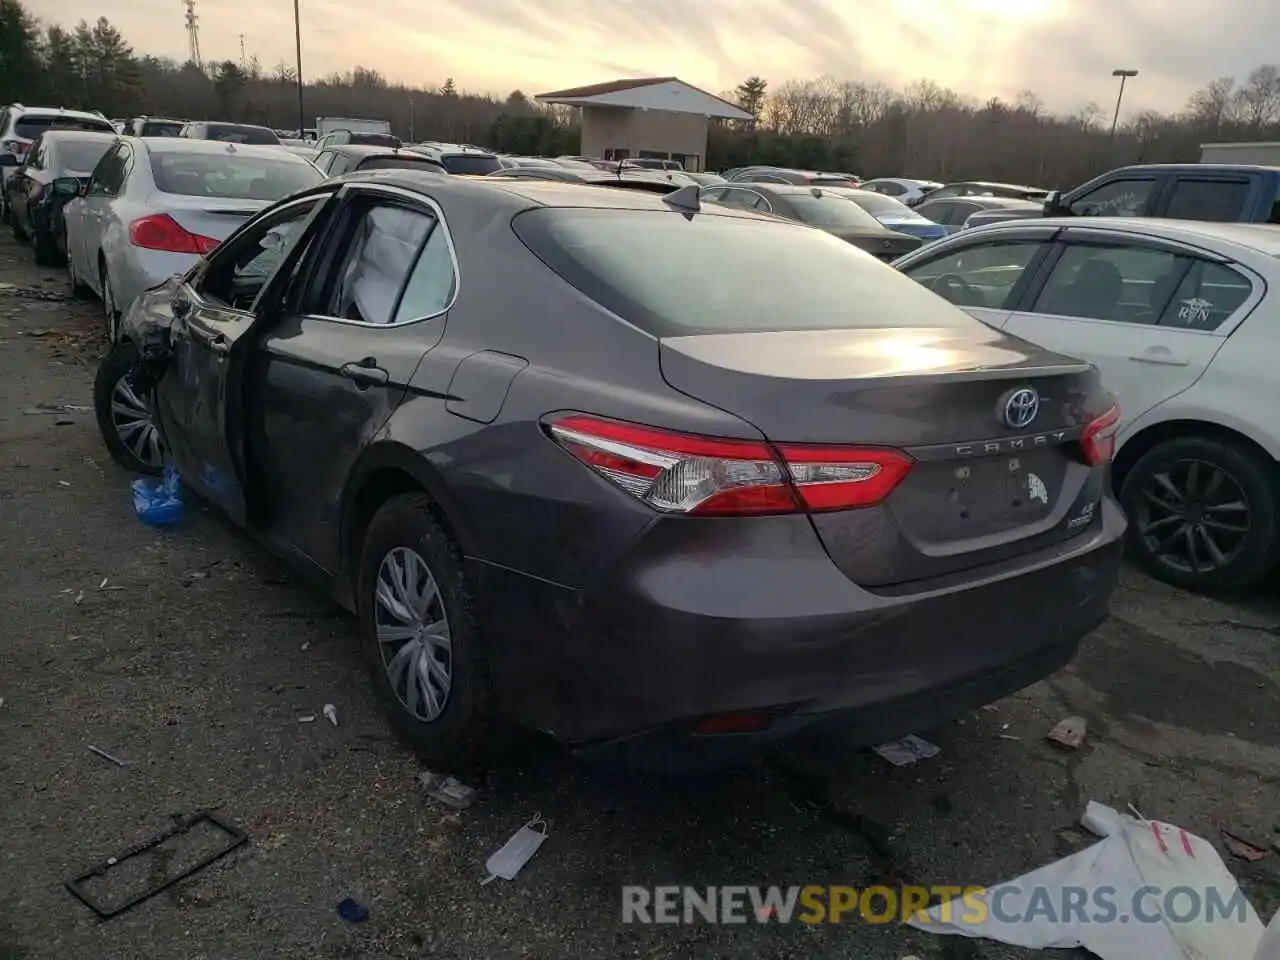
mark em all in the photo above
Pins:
pixel 924 130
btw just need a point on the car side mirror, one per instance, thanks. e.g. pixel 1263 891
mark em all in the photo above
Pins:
pixel 66 187
pixel 8 160
pixel 1053 205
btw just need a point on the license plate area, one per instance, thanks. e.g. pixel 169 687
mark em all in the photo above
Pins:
pixel 979 496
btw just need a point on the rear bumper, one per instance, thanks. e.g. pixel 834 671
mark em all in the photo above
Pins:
pixel 138 270
pixel 625 669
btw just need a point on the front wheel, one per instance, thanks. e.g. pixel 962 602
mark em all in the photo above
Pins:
pixel 420 637
pixel 124 414
pixel 1202 514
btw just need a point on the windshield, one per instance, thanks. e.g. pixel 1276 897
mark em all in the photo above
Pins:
pixel 470 163
pixel 160 128
pixel 231 177
pixel 29 125
pixel 881 206
pixel 235 133
pixel 80 156
pixel 830 210
pixel 672 274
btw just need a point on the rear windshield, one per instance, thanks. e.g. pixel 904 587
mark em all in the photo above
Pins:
pixel 831 210
pixel 236 178
pixel 374 140
pixel 29 126
pixel 80 156
pixel 881 206
pixel 470 163
pixel 398 163
pixel 160 128
pixel 673 275
pixel 235 133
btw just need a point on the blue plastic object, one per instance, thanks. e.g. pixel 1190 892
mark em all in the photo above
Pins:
pixel 159 504
pixel 352 912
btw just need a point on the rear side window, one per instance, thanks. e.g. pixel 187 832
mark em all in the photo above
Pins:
pixel 673 275
pixel 1208 294
pixel 1220 200
pixel 464 163
pixel 79 156
pixel 1122 283
pixel 29 126
pixel 1119 198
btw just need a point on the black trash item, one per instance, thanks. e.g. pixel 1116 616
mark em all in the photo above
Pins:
pixel 352 912
pixel 78 886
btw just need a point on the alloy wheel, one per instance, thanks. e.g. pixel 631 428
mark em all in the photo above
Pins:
pixel 412 628
pixel 1193 516
pixel 131 418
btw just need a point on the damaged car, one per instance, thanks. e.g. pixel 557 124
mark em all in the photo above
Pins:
pixel 622 497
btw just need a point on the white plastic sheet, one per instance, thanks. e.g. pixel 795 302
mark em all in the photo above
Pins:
pixel 1133 856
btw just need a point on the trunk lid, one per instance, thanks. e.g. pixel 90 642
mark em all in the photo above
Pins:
pixel 213 217
pixel 981 490
pixel 886 245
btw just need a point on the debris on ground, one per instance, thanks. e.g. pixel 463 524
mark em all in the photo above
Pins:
pixel 309 718
pixel 79 598
pixel 106 756
pixel 1133 855
pixel 448 790
pixel 331 713
pixel 159 504
pixel 1069 733
pixel 83 887
pixel 908 750
pixel 352 912
pixel 507 861
pixel 52 408
pixel 1239 847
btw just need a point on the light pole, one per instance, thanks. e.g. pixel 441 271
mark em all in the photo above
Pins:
pixel 1123 75
pixel 297 39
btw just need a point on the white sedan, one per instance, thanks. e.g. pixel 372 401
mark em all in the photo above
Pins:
pixel 1183 320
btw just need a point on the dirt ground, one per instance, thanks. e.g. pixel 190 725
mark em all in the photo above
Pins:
pixel 191 654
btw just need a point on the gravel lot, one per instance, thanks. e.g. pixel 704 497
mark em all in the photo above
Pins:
pixel 191 654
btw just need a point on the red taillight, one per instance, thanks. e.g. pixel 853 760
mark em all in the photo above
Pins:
pixel 162 232
pixel 728 723
pixel 684 473
pixel 1098 441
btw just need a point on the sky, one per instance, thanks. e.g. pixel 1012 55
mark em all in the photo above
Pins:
pixel 1064 50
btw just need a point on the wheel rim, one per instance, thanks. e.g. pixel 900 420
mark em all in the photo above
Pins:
pixel 131 418
pixel 413 633
pixel 1193 516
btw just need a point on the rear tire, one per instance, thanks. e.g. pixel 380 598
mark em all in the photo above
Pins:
pixel 18 232
pixel 110 315
pixel 79 289
pixel 118 365
pixel 458 736
pixel 1160 490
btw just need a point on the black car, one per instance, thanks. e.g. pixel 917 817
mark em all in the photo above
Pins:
pixel 666 480
pixel 56 169
pixel 825 210
pixel 335 161
pixel 229 132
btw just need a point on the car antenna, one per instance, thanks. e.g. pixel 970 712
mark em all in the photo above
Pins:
pixel 686 198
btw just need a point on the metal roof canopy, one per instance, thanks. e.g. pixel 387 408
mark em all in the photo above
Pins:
pixel 668 94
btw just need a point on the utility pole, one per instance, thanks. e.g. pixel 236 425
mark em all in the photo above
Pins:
pixel 411 137
pixel 1123 75
pixel 297 38
pixel 243 62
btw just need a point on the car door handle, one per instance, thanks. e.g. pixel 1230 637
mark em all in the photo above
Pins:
pixel 216 342
pixel 1161 357
pixel 365 373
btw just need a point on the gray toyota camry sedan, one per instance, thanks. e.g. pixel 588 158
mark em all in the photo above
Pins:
pixel 665 480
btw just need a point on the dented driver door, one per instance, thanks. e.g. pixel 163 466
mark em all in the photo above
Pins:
pixel 199 401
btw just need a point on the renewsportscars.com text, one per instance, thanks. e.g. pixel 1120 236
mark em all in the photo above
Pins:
pixel 957 905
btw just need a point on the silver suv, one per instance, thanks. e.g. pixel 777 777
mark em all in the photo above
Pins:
pixel 19 125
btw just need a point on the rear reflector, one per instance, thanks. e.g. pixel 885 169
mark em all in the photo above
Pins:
pixel 723 723
pixel 684 473
pixel 1098 441
pixel 162 232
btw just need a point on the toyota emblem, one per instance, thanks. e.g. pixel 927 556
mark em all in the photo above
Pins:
pixel 1020 408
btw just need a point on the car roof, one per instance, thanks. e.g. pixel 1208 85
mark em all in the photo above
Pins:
pixel 523 194
pixel 376 150
pixel 990 203
pixel 228 123
pixel 1262 237
pixel 995 183
pixel 59 111
pixel 192 145
pixel 1209 167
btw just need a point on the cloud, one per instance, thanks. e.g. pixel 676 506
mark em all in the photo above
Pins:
pixel 1064 50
